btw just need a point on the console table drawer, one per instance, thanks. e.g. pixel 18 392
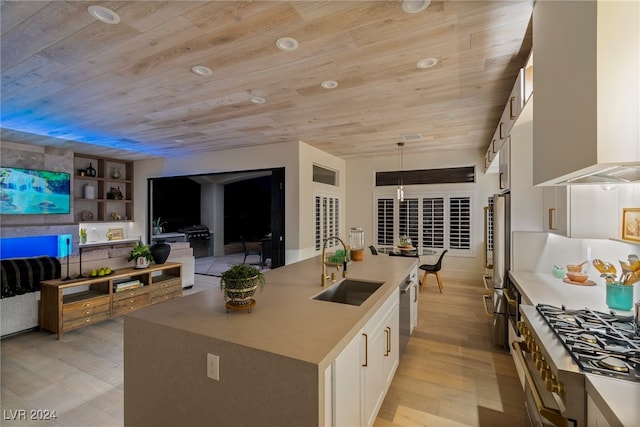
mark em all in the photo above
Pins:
pixel 165 296
pixel 126 305
pixel 84 321
pixel 166 288
pixel 170 283
pixel 85 309
pixel 123 295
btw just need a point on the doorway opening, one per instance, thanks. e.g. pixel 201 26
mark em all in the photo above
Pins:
pixel 231 205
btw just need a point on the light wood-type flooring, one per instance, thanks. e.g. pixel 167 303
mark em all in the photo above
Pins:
pixel 451 375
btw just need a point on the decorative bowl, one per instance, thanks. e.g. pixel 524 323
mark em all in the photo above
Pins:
pixel 577 277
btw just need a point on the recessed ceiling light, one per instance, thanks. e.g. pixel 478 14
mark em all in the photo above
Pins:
pixel 103 14
pixel 258 100
pixel 201 70
pixel 415 6
pixel 427 62
pixel 287 43
pixel 329 84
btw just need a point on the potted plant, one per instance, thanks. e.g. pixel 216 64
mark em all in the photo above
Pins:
pixel 141 254
pixel 83 235
pixel 158 225
pixel 239 284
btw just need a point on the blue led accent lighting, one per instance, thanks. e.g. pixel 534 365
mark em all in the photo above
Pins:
pixel 20 247
pixel 63 249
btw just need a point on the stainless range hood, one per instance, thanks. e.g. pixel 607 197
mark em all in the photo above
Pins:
pixel 612 174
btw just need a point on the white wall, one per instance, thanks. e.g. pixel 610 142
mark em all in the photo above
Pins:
pixel 361 188
pixel 297 158
pixel 308 157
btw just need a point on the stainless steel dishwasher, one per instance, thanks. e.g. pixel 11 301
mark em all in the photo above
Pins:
pixel 405 313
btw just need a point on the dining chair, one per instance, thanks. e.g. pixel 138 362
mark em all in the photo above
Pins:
pixel 433 269
pixel 250 251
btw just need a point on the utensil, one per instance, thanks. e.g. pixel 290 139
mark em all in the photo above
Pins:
pixel 609 278
pixel 633 278
pixel 630 265
pixel 576 268
pixel 604 267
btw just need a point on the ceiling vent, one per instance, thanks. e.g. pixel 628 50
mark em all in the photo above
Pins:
pixel 413 137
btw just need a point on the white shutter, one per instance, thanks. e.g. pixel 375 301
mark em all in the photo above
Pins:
pixel 409 220
pixel 460 223
pixel 326 219
pixel 385 221
pixel 433 222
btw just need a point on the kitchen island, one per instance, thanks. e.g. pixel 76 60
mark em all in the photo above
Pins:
pixel 272 362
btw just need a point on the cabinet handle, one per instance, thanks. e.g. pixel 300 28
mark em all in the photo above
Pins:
pixel 551 215
pixel 366 350
pixel 87 312
pixel 493 146
pixel 87 304
pixel 500 181
pixel 511 115
pixel 415 290
pixel 387 331
pixel 501 126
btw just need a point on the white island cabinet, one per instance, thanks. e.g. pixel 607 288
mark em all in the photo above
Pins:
pixel 364 370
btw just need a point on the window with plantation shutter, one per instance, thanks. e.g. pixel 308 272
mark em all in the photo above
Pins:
pixel 326 219
pixel 460 223
pixel 385 221
pixel 409 218
pixel 435 222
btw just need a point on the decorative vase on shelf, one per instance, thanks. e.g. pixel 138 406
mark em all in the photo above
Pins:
pixel 91 171
pixel 116 173
pixel 89 191
pixel 160 251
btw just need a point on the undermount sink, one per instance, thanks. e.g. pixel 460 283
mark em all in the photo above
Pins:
pixel 349 291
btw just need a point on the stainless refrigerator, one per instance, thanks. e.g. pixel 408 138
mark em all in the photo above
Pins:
pixel 501 265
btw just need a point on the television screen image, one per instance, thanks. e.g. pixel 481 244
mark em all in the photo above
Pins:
pixel 30 191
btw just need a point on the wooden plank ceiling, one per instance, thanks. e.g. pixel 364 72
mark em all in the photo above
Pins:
pixel 127 90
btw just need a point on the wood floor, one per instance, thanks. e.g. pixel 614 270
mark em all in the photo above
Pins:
pixel 450 375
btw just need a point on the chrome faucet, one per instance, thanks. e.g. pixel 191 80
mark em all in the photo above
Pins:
pixel 324 264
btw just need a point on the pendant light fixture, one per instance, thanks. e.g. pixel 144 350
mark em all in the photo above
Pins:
pixel 400 189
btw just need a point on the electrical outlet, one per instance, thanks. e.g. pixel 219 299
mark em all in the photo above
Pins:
pixel 213 366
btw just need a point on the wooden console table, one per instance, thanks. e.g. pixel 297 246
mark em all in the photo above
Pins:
pixel 70 304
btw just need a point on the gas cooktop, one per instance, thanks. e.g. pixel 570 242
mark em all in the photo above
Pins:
pixel 601 343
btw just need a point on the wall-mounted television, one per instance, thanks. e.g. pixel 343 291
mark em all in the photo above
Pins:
pixel 32 191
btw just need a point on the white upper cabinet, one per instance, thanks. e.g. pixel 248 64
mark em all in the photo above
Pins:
pixel 516 100
pixel 587 90
pixel 504 164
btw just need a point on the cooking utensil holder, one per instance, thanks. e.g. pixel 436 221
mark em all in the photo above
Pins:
pixel 620 297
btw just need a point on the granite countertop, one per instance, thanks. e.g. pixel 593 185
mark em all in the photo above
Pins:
pixel 617 399
pixel 286 320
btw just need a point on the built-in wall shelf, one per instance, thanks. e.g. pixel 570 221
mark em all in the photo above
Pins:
pixel 103 189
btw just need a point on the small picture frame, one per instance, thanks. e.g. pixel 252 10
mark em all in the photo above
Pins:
pixel 115 234
pixel 631 224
